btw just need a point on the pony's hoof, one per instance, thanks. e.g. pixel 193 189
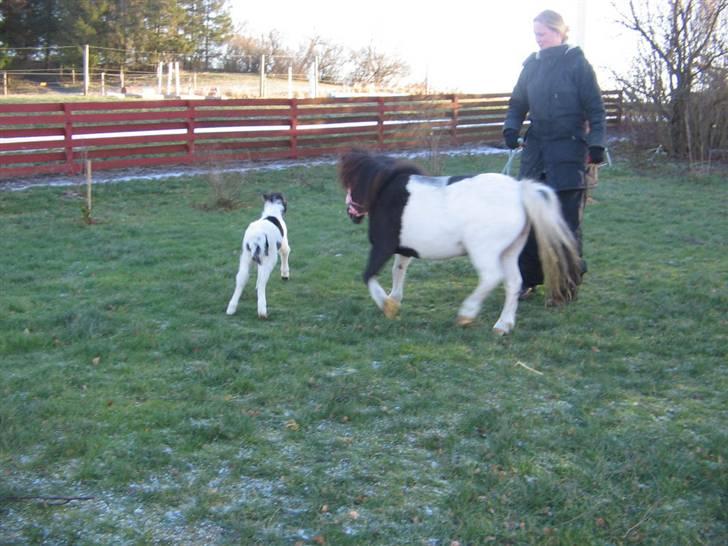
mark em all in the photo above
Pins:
pixel 502 329
pixel 284 278
pixel 464 321
pixel 262 316
pixel 390 308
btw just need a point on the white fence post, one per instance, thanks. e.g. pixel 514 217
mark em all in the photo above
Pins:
pixel 86 76
pixel 262 76
pixel 176 79
pixel 170 69
pixel 315 77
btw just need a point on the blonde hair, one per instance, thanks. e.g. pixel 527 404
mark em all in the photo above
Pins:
pixel 554 21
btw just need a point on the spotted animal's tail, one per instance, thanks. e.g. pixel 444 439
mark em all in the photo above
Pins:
pixel 258 247
pixel 557 247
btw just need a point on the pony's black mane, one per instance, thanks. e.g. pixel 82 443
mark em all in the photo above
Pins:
pixel 361 167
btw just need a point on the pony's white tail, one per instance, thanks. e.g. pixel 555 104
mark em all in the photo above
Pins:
pixel 557 247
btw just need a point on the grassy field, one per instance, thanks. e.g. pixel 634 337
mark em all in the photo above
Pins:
pixel 134 411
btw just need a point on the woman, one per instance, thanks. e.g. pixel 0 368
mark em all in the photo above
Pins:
pixel 558 90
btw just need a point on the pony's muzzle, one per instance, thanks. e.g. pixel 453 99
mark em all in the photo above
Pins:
pixel 354 210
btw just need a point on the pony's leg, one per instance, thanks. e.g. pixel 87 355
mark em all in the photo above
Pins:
pixel 399 271
pixel 284 251
pixel 378 256
pixel 240 279
pixel 512 281
pixel 264 271
pixel 489 275
pixel 387 304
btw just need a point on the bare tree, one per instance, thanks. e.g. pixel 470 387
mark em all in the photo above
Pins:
pixel 372 67
pixel 277 56
pixel 244 53
pixel 366 66
pixel 683 46
pixel 331 58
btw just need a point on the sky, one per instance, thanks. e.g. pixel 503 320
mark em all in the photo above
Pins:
pixel 466 46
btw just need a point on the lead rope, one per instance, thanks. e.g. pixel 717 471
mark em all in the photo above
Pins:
pixel 591 175
pixel 511 155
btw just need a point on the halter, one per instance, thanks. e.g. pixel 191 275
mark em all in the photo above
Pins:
pixel 355 210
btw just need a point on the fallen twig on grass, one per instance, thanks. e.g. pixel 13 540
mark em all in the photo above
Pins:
pixel 644 518
pixel 55 501
pixel 522 365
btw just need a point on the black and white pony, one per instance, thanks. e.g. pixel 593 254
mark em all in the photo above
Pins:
pixel 263 240
pixel 487 217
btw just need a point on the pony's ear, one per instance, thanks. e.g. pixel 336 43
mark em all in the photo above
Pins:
pixel 266 197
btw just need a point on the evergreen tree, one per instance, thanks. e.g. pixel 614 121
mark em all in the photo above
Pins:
pixel 87 22
pixel 164 32
pixel 30 24
pixel 128 30
pixel 208 28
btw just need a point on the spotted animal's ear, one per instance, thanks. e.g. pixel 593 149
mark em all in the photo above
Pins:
pixel 266 197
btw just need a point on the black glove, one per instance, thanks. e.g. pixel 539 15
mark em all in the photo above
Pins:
pixel 511 138
pixel 596 155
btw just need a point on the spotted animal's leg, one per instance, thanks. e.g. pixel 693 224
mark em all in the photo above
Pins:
pixel 399 271
pixel 489 276
pixel 512 280
pixel 264 271
pixel 240 279
pixel 377 258
pixel 377 292
pixel 285 250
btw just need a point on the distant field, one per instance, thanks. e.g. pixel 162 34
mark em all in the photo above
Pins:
pixel 228 85
pixel 134 411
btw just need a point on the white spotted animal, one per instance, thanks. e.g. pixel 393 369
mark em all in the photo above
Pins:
pixel 263 240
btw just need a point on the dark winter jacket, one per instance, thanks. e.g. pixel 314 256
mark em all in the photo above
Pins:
pixel 558 90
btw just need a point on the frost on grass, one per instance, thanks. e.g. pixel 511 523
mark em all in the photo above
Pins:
pixel 196 504
pixel 107 517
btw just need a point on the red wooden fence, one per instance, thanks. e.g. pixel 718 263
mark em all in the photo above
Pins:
pixel 59 137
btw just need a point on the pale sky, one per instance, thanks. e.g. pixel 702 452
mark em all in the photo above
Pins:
pixel 460 45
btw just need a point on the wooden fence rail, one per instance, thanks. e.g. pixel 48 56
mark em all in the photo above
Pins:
pixel 60 137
